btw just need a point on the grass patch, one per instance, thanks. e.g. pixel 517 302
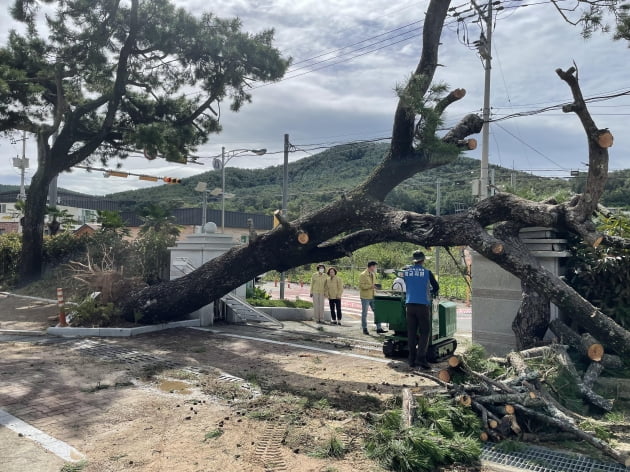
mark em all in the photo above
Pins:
pixel 617 417
pixel 510 446
pixel 76 467
pixel 96 388
pixel 253 379
pixel 262 415
pixel 215 433
pixel 333 448
pixel 322 404
pixel 180 374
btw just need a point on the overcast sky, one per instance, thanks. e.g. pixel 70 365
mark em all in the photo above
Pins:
pixel 354 99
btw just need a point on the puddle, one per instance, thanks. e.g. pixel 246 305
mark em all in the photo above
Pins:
pixel 174 386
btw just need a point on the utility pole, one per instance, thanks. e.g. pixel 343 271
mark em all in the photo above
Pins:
pixel 52 187
pixel 485 50
pixel 223 189
pixel 285 197
pixel 438 204
pixel 22 164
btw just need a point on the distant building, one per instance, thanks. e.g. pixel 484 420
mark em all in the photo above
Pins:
pixel 84 211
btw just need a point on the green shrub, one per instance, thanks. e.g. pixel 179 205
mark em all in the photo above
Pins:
pixel 10 247
pixel 62 247
pixel 279 303
pixel 257 293
pixel 90 313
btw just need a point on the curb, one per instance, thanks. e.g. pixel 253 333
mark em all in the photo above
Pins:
pixel 22 332
pixel 119 332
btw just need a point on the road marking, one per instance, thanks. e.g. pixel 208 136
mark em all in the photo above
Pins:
pixel 299 346
pixel 57 447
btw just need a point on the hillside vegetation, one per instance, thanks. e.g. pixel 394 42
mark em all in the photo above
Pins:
pixel 316 180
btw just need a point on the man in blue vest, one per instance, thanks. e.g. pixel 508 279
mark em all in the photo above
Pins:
pixel 421 287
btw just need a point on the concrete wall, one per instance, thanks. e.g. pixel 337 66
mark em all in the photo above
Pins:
pixel 496 294
pixel 288 314
pixel 193 251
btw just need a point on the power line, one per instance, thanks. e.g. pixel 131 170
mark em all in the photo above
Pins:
pixel 531 147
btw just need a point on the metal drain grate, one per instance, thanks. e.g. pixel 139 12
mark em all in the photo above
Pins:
pixel 540 459
pixel 121 354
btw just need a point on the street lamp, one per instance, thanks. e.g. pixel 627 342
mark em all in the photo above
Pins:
pixel 231 155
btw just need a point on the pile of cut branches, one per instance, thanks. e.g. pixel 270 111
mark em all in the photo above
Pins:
pixel 518 397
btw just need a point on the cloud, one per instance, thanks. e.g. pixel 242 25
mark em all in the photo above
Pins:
pixel 354 99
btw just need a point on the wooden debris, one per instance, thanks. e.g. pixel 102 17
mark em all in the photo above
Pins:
pixel 408 408
pixel 517 404
pixel 577 342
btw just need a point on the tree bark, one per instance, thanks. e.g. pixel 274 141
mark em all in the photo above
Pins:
pixel 532 318
pixel 568 336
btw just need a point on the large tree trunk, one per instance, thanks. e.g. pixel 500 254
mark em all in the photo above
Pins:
pixel 34 214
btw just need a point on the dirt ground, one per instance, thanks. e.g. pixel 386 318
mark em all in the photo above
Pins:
pixel 190 400
pixel 234 399
pixel 26 314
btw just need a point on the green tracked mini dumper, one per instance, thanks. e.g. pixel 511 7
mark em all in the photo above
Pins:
pixel 390 308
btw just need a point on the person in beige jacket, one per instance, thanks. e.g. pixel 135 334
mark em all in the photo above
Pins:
pixel 333 289
pixel 317 292
pixel 367 289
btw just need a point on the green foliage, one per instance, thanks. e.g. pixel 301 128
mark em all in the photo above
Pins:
pixel 475 357
pixel 215 433
pixel 318 180
pixel 156 235
pixel 257 293
pixel 602 275
pixel 74 467
pixel 279 303
pixel 333 448
pixel 443 434
pixel 112 222
pixel 62 247
pixel 508 446
pixel 88 312
pixel 10 247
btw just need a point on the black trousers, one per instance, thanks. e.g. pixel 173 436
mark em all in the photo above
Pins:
pixel 335 303
pixel 418 319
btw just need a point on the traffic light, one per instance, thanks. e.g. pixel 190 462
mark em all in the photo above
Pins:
pixel 172 180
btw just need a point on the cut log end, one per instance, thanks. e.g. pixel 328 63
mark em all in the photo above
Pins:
pixel 483 436
pixel 464 400
pixel 302 237
pixel 459 93
pixel 497 248
pixel 509 409
pixel 444 375
pixel 454 361
pixel 493 424
pixel 605 139
pixel 595 352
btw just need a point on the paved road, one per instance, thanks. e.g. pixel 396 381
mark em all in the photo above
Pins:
pixel 351 305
